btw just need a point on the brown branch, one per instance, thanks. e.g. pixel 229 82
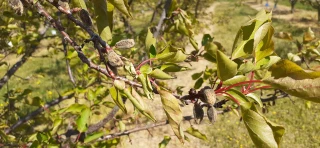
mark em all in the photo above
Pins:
pixel 103 122
pixel 115 135
pixel 79 23
pixel 23 60
pixel 155 10
pixel 38 111
pixel 147 127
pixel 15 67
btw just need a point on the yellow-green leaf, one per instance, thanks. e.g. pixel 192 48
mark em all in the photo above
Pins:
pixel 226 67
pixel 173 111
pixel 159 74
pixel 196 133
pixel 121 5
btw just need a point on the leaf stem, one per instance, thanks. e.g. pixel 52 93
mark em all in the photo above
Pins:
pixel 144 62
pixel 237 84
pixel 233 98
pixel 252 90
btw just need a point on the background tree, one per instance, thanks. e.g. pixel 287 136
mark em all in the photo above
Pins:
pixel 315 4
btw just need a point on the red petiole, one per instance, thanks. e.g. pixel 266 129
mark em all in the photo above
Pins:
pixel 222 89
pixel 144 62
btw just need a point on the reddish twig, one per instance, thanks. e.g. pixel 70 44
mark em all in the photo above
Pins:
pixel 144 62
pixel 252 90
pixel 237 84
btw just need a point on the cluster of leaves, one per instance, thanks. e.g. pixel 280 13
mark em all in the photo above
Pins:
pixel 94 92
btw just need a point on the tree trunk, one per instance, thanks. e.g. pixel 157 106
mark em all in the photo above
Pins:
pixel 318 14
pixel 196 9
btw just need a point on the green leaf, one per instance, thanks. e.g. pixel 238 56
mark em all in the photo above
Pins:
pixel 122 6
pixel 115 94
pixel 93 136
pixel 83 119
pixel 138 105
pixel 196 76
pixel 194 43
pixel 235 79
pixel 91 95
pixel 146 69
pixel 173 57
pixel 211 48
pixel 152 52
pixel 226 68
pixel 104 19
pixel 164 142
pixel 307 89
pixel 198 83
pixel 150 43
pixel 35 101
pixel 173 111
pixel 263 132
pixel 159 74
pixel 247 34
pixel 246 67
pixel 42 137
pixel 267 62
pixel 286 68
pixel 196 133
pixel 263 42
pixel 56 124
pixel 206 39
pixel 171 67
pixel 75 108
pixel 80 3
pixel 122 126
pixel 244 102
pixel 255 98
pixel 143 79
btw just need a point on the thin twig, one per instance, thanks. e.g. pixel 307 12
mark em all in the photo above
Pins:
pixel 38 111
pixel 68 63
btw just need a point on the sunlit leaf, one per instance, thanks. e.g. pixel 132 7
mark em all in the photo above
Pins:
pixel 151 44
pixel 93 136
pixel 196 133
pixel 115 94
pixel 143 79
pixel 262 132
pixel 173 111
pixel 159 74
pixel 56 124
pixel 286 68
pixel 255 98
pixel 226 68
pixel 121 5
pixel 303 88
pixel 164 142
pixel 171 67
pixel 82 121
pixel 198 83
pixel 235 79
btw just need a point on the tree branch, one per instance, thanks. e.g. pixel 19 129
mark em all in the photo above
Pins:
pixel 38 111
pixel 65 51
pixel 163 16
